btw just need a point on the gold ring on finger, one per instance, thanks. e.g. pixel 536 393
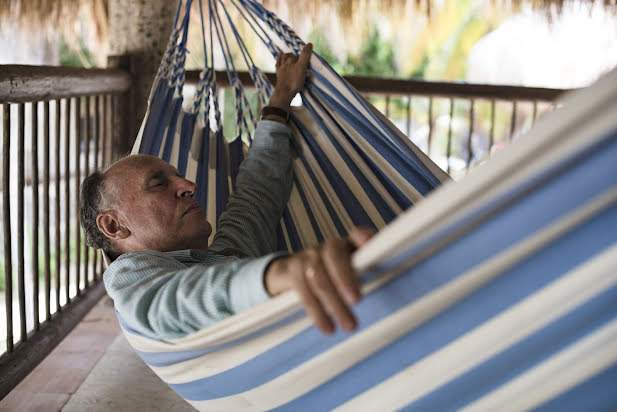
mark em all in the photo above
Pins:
pixel 310 272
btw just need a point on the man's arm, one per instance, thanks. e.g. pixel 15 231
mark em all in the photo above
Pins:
pixel 265 178
pixel 158 295
pixel 263 185
pixel 162 297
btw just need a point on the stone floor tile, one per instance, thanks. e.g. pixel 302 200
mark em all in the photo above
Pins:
pixel 14 400
pixel 122 382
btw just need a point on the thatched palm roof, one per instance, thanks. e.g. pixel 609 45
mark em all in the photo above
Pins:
pixel 64 13
pixel 74 17
pixel 57 14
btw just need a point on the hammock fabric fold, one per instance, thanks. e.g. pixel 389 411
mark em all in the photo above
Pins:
pixel 495 293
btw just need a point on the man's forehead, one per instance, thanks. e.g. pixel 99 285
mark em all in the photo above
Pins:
pixel 139 167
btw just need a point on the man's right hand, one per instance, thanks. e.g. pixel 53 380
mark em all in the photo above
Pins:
pixel 324 280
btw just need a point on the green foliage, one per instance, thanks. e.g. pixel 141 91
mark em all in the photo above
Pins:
pixel 375 58
pixel 419 72
pixel 52 258
pixel 322 47
pixel 75 58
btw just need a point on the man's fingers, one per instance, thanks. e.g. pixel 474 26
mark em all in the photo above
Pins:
pixel 335 255
pixel 313 307
pixel 305 54
pixel 360 235
pixel 290 57
pixel 320 283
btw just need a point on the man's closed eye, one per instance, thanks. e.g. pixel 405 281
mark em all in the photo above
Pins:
pixel 156 183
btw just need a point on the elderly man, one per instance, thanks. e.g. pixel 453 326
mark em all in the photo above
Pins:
pixel 166 281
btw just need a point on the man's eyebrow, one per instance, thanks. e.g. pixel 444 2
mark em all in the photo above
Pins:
pixel 154 174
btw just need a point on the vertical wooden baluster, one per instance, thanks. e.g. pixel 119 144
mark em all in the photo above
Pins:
pixel 95 162
pixel 46 222
pixel 513 120
pixel 35 213
pixel 20 219
pixel 98 124
pixel 409 116
pixel 535 112
pixel 469 136
pixel 57 250
pixel 6 223
pixel 449 143
pixel 108 138
pixel 86 172
pixel 108 152
pixel 430 126
pixel 492 132
pixel 388 106
pixel 67 198
pixel 78 137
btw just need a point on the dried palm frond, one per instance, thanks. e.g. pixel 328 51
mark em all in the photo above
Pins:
pixel 75 19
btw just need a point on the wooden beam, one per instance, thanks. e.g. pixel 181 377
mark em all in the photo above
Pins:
pixel 36 83
pixel 374 85
pixel 20 84
pixel 406 87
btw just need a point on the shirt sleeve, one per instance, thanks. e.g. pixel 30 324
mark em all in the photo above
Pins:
pixel 263 187
pixel 164 298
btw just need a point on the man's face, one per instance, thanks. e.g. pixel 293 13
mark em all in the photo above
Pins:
pixel 156 205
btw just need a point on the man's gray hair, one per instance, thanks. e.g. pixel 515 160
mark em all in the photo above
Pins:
pixel 94 199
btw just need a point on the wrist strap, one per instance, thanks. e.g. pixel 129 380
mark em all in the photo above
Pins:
pixel 275 111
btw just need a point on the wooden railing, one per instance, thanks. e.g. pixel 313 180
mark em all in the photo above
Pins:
pixel 58 124
pixel 478 120
pixel 459 125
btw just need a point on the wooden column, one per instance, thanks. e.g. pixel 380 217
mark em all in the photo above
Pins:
pixel 124 123
pixel 139 29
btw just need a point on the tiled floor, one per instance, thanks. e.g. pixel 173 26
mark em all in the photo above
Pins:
pixel 121 382
pixel 49 386
pixel 93 369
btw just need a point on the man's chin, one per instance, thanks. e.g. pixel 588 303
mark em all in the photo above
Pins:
pixel 205 230
pixel 195 229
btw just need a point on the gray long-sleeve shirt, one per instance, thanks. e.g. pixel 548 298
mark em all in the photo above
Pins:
pixel 170 294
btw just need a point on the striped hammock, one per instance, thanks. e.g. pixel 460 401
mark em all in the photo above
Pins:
pixel 353 167
pixel 495 293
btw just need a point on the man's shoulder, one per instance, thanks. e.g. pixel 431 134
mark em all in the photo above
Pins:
pixel 154 259
pixel 142 257
pixel 140 264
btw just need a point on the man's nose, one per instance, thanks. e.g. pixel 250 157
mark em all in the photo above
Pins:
pixel 185 187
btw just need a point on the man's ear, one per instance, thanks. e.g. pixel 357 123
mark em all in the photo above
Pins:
pixel 111 226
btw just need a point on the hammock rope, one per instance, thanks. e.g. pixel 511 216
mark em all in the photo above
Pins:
pixel 495 293
pixel 385 174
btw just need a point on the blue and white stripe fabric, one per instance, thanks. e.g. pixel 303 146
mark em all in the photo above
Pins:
pixel 495 293
pixel 498 292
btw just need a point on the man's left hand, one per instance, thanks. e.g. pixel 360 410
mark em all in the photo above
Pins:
pixel 290 76
pixel 324 280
